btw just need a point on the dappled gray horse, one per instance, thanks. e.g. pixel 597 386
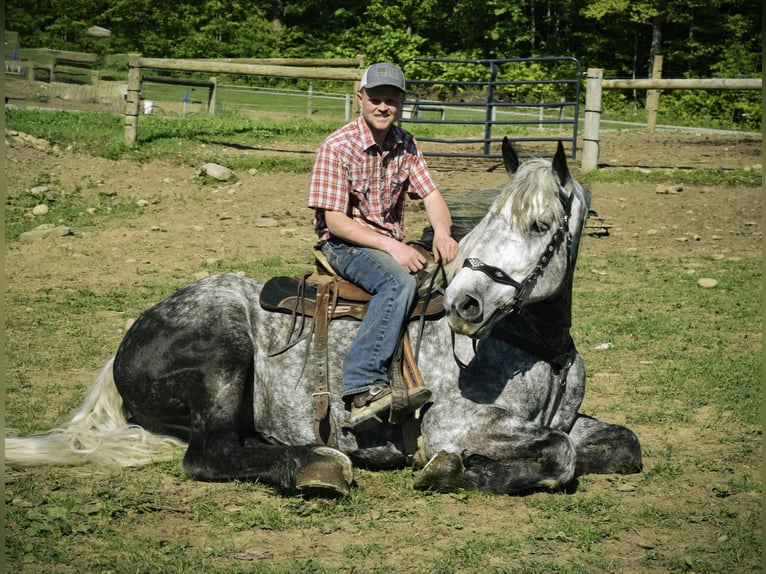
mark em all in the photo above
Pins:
pixel 197 372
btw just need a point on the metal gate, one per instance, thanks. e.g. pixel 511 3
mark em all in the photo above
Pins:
pixel 525 99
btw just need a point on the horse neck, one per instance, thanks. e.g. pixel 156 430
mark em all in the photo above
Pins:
pixel 542 328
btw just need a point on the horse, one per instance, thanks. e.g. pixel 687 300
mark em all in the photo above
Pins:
pixel 198 374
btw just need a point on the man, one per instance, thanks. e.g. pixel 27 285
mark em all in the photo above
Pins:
pixel 361 177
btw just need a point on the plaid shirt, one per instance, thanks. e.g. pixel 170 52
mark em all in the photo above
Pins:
pixel 354 176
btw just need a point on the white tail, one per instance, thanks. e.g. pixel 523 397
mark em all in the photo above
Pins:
pixel 97 433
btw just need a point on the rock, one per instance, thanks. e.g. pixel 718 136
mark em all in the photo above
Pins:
pixel 142 203
pixel 39 190
pixel 217 171
pixel 266 222
pixel 668 189
pixel 19 138
pixel 44 231
pixel 707 283
pixel 40 209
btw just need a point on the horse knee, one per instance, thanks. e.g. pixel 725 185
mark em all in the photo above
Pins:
pixel 615 449
pixel 443 473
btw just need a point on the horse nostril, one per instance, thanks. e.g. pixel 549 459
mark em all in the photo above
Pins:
pixel 470 309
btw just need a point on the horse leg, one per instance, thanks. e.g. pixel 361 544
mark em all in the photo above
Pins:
pixel 207 397
pixel 222 446
pixel 512 458
pixel 604 448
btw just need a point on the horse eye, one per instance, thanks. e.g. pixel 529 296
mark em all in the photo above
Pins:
pixel 539 226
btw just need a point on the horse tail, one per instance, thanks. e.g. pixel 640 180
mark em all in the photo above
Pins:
pixel 97 433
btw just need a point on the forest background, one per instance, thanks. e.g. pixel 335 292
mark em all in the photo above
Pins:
pixel 697 38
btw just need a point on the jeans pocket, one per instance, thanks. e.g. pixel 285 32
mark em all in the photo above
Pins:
pixel 330 252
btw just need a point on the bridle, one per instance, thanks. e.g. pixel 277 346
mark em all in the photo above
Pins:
pixel 524 286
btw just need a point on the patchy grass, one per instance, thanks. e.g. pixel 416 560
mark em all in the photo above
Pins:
pixel 681 367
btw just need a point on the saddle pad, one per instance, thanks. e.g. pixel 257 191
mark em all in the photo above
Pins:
pixel 283 294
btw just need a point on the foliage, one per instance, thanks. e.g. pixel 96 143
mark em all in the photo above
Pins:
pixel 697 37
pixel 717 38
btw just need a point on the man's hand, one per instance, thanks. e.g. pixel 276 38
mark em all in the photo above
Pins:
pixel 406 256
pixel 444 248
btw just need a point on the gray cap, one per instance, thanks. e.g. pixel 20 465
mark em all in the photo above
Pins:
pixel 382 74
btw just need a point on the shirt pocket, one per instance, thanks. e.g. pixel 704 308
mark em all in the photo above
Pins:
pixel 360 194
pixel 398 180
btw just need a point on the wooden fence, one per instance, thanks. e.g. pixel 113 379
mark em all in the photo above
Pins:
pixel 350 69
pixel 596 83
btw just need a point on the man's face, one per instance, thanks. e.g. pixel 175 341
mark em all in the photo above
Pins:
pixel 380 106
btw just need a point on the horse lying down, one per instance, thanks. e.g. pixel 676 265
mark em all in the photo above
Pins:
pixel 199 371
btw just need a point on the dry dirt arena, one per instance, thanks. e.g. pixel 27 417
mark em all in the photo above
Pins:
pixel 187 228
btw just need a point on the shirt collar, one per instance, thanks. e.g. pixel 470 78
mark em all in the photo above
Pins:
pixel 393 140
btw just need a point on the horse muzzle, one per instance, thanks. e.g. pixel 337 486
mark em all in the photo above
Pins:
pixel 467 314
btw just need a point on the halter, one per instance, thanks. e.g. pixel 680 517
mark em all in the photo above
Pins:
pixel 525 286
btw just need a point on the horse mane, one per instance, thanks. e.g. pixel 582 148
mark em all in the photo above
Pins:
pixel 533 189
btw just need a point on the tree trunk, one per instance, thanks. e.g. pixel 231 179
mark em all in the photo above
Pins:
pixel 656 47
pixel 277 15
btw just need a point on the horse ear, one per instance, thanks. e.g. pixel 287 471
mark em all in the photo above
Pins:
pixel 560 164
pixel 510 157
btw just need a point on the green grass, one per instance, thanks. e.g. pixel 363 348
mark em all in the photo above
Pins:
pixel 709 177
pixel 676 349
pixel 685 367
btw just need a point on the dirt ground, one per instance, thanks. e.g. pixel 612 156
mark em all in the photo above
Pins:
pixel 185 228
pixel 240 220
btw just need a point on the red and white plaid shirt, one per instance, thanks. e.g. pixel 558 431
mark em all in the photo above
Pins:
pixel 354 176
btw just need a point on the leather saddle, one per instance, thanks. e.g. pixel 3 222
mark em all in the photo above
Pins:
pixel 299 294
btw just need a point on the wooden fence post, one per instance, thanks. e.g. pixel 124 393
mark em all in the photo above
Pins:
pixel 133 98
pixel 653 96
pixel 212 93
pixel 590 135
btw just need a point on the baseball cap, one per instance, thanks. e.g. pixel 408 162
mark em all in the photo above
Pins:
pixel 382 74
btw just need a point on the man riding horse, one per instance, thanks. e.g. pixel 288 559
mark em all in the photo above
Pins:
pixel 361 176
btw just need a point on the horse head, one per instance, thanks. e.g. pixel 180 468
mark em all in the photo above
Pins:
pixel 524 249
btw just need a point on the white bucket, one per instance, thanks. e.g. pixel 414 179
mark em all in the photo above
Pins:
pixel 148 107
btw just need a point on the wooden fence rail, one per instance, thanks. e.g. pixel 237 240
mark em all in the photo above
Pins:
pixel 596 83
pixel 311 69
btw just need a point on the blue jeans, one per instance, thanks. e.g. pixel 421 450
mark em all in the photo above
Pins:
pixel 393 293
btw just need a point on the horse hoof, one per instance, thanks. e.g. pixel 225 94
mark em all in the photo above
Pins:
pixel 341 458
pixel 443 473
pixel 329 477
pixel 323 478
